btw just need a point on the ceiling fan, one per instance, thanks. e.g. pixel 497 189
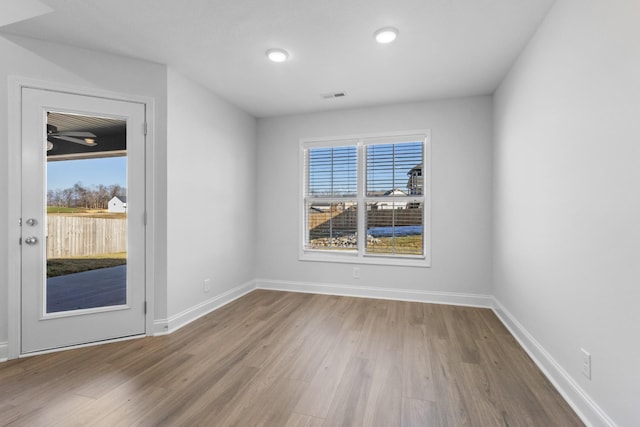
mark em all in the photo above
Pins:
pixel 77 137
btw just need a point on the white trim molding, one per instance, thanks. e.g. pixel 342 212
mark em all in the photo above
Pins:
pixel 76 346
pixel 433 297
pixel 360 198
pixel 4 351
pixel 177 321
pixel 160 327
pixel 584 406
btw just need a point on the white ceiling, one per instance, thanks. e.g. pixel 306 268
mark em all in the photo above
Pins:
pixel 446 48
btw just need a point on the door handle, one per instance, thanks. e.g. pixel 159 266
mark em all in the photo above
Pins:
pixel 31 240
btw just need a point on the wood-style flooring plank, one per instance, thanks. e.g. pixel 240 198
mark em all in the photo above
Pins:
pixel 351 397
pixel 299 420
pixel 295 360
pixel 316 399
pixel 384 405
pixel 417 413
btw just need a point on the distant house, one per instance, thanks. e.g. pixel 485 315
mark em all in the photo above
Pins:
pixel 389 204
pixel 415 183
pixel 395 192
pixel 323 207
pixel 118 204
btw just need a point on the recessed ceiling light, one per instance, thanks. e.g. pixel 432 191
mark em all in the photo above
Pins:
pixel 386 35
pixel 277 55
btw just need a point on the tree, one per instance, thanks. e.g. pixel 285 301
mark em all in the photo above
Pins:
pixel 116 190
pixel 80 196
pixel 102 194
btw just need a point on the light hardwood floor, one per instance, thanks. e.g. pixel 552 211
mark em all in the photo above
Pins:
pixel 287 359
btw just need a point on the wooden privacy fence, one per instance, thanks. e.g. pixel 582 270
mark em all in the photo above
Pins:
pixel 398 217
pixel 69 236
pixel 345 221
pixel 341 219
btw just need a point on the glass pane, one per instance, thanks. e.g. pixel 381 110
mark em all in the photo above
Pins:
pixel 86 248
pixel 332 226
pixel 332 171
pixel 394 169
pixel 394 228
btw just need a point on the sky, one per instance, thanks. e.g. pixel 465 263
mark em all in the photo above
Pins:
pixel 91 172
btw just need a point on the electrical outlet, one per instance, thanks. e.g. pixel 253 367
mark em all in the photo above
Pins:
pixel 586 363
pixel 207 285
pixel 356 272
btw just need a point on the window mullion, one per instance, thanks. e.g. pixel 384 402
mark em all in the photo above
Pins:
pixel 362 208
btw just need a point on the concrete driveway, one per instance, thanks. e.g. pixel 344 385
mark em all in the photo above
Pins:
pixel 89 289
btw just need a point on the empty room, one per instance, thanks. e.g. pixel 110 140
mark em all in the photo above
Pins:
pixel 336 213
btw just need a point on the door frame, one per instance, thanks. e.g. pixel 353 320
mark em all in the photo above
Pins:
pixel 16 84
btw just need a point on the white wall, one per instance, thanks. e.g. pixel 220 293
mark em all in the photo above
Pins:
pixel 567 199
pixel 211 197
pixel 28 58
pixel 461 201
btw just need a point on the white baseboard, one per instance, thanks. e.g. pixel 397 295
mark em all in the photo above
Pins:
pixel 4 351
pixel 472 300
pixel 177 321
pixel 160 327
pixel 590 413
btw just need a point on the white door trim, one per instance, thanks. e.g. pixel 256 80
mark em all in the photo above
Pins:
pixel 16 84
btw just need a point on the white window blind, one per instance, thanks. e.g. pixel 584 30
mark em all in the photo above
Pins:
pixel 389 167
pixel 332 171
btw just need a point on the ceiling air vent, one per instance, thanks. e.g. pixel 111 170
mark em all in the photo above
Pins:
pixel 334 95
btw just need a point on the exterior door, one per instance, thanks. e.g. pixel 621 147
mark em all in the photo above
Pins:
pixel 83 232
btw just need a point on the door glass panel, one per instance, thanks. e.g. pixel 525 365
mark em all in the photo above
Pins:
pixel 86 205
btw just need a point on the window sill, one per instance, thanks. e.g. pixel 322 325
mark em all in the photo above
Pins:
pixel 354 258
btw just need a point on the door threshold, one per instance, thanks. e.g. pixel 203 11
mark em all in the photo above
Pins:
pixel 76 346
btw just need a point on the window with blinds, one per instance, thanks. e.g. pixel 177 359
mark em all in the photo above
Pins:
pixel 366 199
pixel 394 220
pixel 331 186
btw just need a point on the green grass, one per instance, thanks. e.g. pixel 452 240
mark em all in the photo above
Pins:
pixel 85 213
pixel 55 209
pixel 63 266
pixel 407 245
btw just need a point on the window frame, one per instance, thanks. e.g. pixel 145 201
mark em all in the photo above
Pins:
pixel 359 255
